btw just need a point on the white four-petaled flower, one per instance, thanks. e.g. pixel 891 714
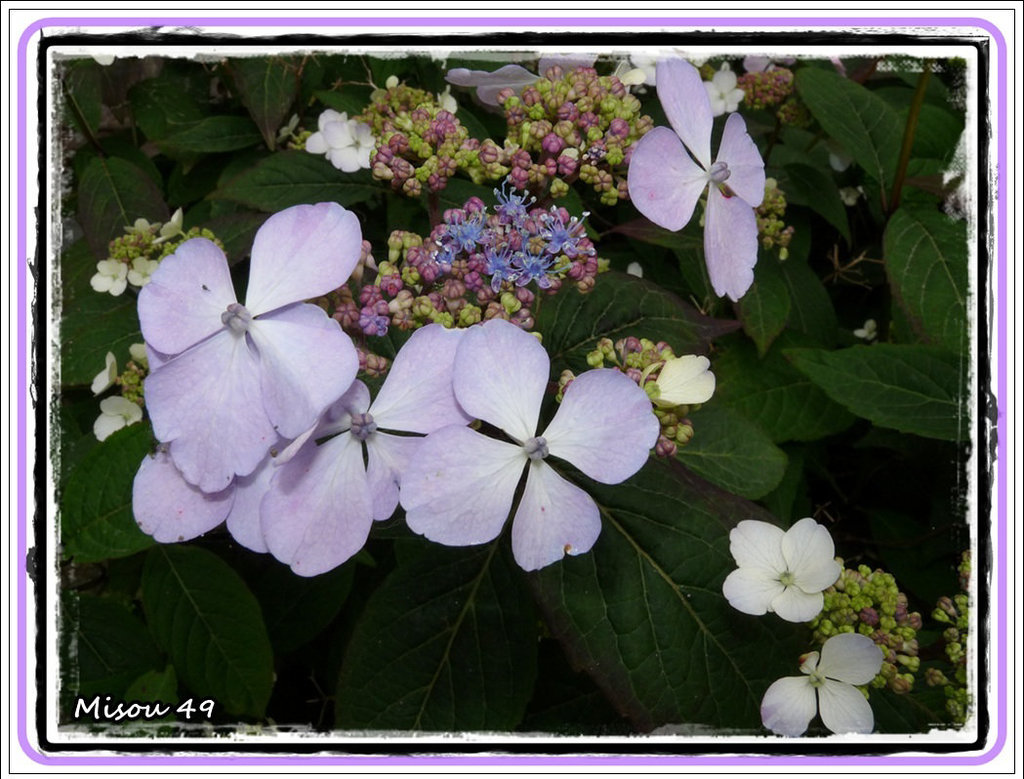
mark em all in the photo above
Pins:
pixel 827 687
pixel 784 572
pixel 111 276
pixel 685 380
pixel 348 143
pixel 115 413
pixel 459 489
pixel 723 93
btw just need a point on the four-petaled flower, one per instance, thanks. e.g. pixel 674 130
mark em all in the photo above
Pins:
pixel 685 380
pixel 348 143
pixel 459 489
pixel 111 276
pixel 846 659
pixel 665 183
pixel 723 93
pixel 115 413
pixel 784 572
pixel 227 378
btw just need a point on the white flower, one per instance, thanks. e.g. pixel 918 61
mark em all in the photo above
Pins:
pixel 684 380
pixel 783 572
pixel 446 101
pixel 348 143
pixel 722 90
pixel 869 332
pixel 105 377
pixel 115 413
pixel 849 195
pixel 637 71
pixel 172 228
pixel 287 129
pixel 846 659
pixel 635 269
pixel 141 270
pixel 839 160
pixel 138 354
pixel 111 276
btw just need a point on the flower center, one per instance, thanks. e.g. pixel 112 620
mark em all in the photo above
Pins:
pixel 363 426
pixel 718 173
pixel 816 678
pixel 237 318
pixel 787 579
pixel 536 448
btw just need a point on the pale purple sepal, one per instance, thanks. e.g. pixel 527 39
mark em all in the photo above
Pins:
pixel 730 244
pixel 500 376
pixel 604 426
pixel 664 183
pixel 336 419
pixel 417 396
pixel 746 168
pixel 306 361
pixel 243 521
pixel 185 297
pixel 300 253
pixel 554 518
pixel 318 511
pixel 207 404
pixel 170 509
pixel 458 489
pixel 489 83
pixel 388 457
pixel 684 99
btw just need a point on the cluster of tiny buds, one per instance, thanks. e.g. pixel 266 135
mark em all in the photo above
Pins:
pixel 131 381
pixel 767 88
pixel 771 227
pixel 869 602
pixel 954 612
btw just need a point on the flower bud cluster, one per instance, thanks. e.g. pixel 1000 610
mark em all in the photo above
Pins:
pixel 767 88
pixel 569 126
pixel 642 360
pixel 954 612
pixel 869 602
pixel 771 228
pixel 130 380
pixel 420 144
pixel 793 112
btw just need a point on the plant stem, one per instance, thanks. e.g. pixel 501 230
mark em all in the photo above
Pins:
pixel 908 136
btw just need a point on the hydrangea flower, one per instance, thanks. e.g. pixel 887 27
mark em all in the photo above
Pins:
pixel 685 380
pixel 348 143
pixel 141 271
pixel 723 93
pixel 105 378
pixel 780 571
pixel 827 688
pixel 228 379
pixel 111 276
pixel 459 489
pixel 115 413
pixel 665 183
pixel 323 499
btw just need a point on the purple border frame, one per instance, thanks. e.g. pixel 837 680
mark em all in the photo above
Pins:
pixel 532 23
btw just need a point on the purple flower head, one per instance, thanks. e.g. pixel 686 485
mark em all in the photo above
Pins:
pixel 564 238
pixel 233 378
pixel 322 499
pixel 511 208
pixel 459 489
pixel 463 233
pixel 533 267
pixel 665 183
pixel 499 266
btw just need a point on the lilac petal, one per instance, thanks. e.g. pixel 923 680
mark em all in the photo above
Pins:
pixel 686 104
pixel 500 375
pixel 751 590
pixel 317 513
pixel 844 709
pixel 605 426
pixel 746 168
pixel 458 490
pixel 169 508
pixel 757 544
pixel 185 297
pixel 207 404
pixel 336 419
pixel 850 657
pixel 810 555
pixel 795 605
pixel 490 83
pixel 243 521
pixel 788 706
pixel 730 244
pixel 388 456
pixel 417 395
pixel 306 362
pixel 301 253
pixel 664 183
pixel 554 518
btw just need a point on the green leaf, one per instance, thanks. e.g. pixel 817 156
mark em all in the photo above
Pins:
pixel 289 178
pixel 864 123
pixel 621 305
pixel 83 90
pixel 112 194
pixel 95 509
pixel 769 391
pixel 446 643
pixel 92 323
pixel 643 611
pixel 202 614
pixel 764 308
pixel 211 135
pixel 154 687
pixel 914 389
pixel 161 108
pixel 732 452
pixel 926 261
pixel 110 647
pixel 267 87
pixel 812 187
pixel 811 310
pixel 938 132
pixel 351 100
